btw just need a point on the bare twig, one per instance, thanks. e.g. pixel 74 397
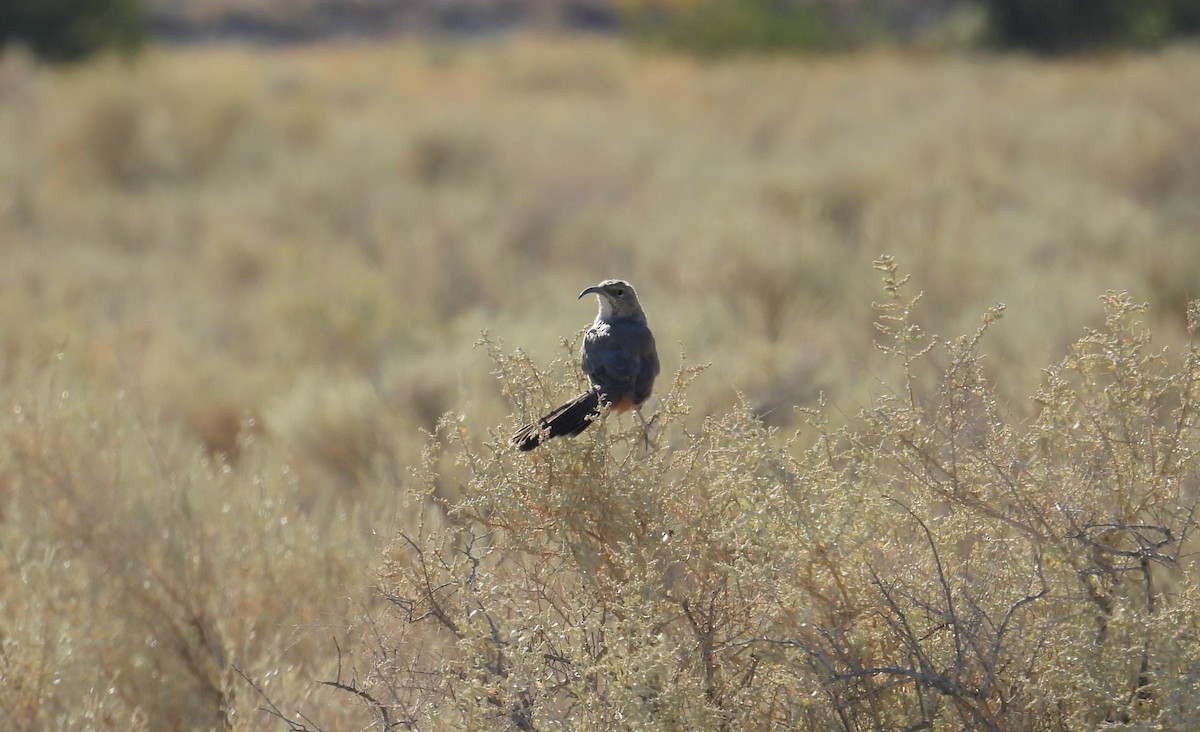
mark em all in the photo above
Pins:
pixel 273 710
pixel 353 688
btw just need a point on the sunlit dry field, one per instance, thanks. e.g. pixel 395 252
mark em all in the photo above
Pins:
pixel 239 286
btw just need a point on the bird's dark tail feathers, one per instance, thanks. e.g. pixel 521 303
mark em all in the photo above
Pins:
pixel 567 420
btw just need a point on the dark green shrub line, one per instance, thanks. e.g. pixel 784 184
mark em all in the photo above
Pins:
pixel 717 27
pixel 1066 26
pixel 71 30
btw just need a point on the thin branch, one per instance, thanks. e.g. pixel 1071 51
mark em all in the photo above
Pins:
pixel 273 710
pixel 363 694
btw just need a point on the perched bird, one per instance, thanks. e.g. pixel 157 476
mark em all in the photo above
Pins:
pixel 619 358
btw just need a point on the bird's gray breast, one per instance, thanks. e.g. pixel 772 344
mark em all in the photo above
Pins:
pixel 620 359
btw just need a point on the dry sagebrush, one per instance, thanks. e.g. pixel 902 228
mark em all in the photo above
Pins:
pixel 934 564
pixel 141 573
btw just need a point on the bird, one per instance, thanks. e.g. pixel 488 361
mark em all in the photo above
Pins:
pixel 619 358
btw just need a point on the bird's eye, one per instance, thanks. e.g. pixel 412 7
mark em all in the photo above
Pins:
pixel 619 292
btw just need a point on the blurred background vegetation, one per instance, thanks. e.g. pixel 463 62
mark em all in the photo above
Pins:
pixel 242 281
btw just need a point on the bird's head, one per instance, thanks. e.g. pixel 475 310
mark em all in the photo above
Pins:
pixel 617 300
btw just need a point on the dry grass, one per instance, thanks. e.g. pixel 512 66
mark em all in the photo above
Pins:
pixel 238 283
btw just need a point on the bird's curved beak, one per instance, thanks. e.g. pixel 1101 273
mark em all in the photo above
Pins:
pixel 594 288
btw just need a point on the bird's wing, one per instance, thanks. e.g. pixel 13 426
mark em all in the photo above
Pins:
pixel 647 369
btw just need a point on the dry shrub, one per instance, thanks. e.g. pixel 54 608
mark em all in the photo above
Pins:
pixel 937 562
pixel 144 572
pixel 338 428
pixel 128 139
pixel 441 156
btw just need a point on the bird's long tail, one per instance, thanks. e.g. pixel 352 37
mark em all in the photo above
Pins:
pixel 567 420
